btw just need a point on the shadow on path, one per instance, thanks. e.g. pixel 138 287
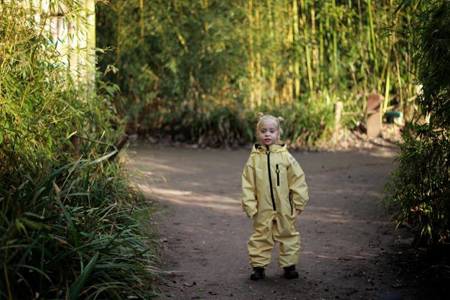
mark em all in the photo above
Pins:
pixel 346 236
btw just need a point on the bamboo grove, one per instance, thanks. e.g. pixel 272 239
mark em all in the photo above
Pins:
pixel 209 65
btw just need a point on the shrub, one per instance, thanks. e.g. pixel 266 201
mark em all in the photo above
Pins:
pixel 421 185
pixel 420 188
pixel 70 224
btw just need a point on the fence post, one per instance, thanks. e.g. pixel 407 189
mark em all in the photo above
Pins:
pixel 338 108
pixel 373 115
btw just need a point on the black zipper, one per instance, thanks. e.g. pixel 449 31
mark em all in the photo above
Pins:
pixel 278 176
pixel 292 207
pixel 270 179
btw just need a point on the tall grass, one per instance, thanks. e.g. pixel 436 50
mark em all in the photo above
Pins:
pixel 70 224
pixel 75 234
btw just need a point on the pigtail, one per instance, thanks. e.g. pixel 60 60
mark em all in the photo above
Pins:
pixel 280 119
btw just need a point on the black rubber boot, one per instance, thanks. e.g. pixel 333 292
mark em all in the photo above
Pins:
pixel 258 273
pixel 290 273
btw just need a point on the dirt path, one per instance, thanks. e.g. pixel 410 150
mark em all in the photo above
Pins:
pixel 346 235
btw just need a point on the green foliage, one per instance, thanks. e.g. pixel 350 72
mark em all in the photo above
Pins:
pixel 68 217
pixel 434 62
pixel 230 126
pixel 169 55
pixel 420 188
pixel 80 217
pixel 303 126
pixel 194 59
pixel 421 185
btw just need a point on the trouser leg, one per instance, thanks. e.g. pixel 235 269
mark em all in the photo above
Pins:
pixel 260 245
pixel 285 233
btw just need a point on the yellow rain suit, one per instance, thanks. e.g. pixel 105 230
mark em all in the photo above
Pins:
pixel 274 187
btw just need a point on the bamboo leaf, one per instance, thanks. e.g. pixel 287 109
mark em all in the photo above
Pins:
pixel 77 286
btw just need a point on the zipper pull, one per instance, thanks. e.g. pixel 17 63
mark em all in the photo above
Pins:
pixel 278 175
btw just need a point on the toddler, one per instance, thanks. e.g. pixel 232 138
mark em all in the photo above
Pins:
pixel 274 193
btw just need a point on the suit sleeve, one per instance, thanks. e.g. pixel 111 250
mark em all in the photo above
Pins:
pixel 249 203
pixel 298 189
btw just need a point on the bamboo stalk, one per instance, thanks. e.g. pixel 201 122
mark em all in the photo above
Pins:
pixel 334 45
pixel 335 57
pixel 307 49
pixel 387 91
pixel 273 67
pixel 295 45
pixel 289 45
pixel 372 34
pixel 118 35
pixel 251 68
pixel 141 19
pixel 321 62
pixel 258 68
pixel 399 82
pixel 315 52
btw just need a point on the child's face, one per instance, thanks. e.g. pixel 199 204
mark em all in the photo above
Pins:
pixel 268 133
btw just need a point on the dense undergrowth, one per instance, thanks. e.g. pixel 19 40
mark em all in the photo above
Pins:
pixel 229 126
pixel 420 189
pixel 70 224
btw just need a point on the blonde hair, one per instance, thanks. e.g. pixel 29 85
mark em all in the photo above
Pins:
pixel 263 118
